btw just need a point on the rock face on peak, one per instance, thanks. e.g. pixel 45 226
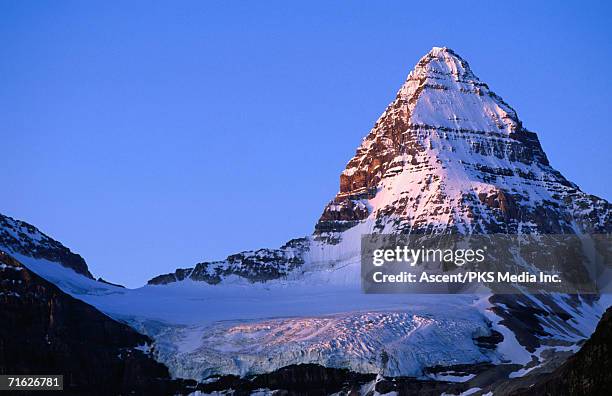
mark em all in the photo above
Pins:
pixel 19 237
pixel 449 153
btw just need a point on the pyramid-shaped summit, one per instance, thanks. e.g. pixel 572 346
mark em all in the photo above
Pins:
pixel 449 155
pixel 446 93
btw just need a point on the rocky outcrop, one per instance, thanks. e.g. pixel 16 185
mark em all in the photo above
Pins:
pixel 527 320
pixel 255 266
pixel 586 373
pixel 19 237
pixel 102 280
pixel 45 331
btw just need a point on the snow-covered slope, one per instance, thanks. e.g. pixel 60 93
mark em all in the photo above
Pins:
pixel 447 156
pixel 250 328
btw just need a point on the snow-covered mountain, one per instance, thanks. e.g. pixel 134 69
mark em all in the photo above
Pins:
pixel 447 156
pixel 448 153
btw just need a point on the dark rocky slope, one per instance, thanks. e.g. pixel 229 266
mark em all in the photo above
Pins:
pixel 588 372
pixel 45 331
pixel 317 380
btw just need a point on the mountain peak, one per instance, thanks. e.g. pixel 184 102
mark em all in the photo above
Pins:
pixel 443 63
pixel 438 50
pixel 442 53
pixel 443 92
pixel 448 154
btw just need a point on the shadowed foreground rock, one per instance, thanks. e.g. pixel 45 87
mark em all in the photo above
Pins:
pixel 45 331
pixel 588 372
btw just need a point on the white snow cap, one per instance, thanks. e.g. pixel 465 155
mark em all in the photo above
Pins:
pixel 443 60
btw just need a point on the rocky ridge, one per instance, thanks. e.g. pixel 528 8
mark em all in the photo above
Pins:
pixel 256 266
pixel 17 236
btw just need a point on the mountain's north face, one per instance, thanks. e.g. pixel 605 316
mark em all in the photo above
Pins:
pixel 447 155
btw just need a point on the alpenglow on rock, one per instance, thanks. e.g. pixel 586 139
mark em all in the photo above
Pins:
pixel 450 153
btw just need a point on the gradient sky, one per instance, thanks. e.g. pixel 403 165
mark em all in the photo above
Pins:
pixel 148 136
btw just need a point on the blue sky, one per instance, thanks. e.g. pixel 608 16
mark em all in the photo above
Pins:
pixel 152 135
